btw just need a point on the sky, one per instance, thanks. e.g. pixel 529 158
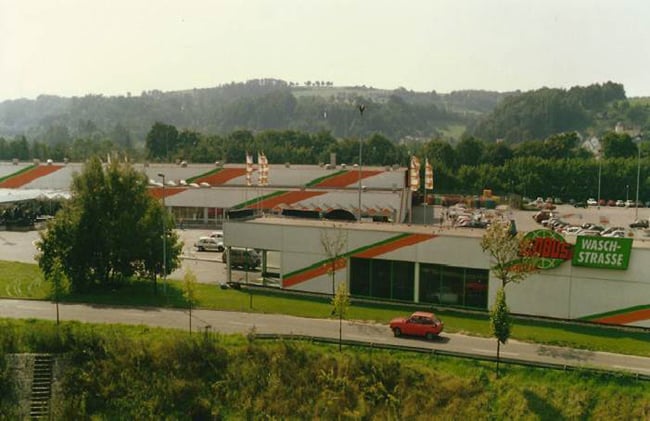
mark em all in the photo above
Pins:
pixel 115 47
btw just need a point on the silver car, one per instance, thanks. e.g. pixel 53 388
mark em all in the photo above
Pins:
pixel 209 244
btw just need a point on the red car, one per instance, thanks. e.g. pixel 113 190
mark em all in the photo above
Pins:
pixel 419 323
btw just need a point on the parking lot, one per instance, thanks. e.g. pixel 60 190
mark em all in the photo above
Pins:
pixel 208 266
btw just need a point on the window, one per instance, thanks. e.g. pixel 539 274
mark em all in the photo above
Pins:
pixel 379 278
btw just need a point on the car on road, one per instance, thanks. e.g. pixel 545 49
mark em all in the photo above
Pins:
pixel 419 323
pixel 209 244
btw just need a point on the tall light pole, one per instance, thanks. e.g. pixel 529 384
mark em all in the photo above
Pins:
pixel 360 149
pixel 164 236
pixel 600 165
pixel 362 108
pixel 638 178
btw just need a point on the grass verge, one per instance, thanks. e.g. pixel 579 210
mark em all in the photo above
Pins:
pixel 21 280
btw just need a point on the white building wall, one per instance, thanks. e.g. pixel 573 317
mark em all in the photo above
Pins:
pixel 565 292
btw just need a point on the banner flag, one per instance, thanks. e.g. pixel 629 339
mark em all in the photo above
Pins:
pixel 428 175
pixel 249 168
pixel 415 173
pixel 263 179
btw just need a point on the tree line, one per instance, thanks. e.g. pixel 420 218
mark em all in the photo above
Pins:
pixel 531 168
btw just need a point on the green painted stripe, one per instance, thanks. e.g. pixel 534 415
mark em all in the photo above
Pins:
pixel 7 177
pixel 346 255
pixel 325 177
pixel 615 312
pixel 196 177
pixel 259 199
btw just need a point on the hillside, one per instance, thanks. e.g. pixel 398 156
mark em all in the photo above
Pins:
pixel 257 105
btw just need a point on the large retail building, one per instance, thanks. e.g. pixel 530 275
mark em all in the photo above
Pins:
pixel 403 257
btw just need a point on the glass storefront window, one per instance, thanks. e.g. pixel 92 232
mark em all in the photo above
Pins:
pixel 403 276
pixel 360 277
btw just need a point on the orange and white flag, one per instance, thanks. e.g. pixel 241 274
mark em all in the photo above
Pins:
pixel 415 173
pixel 263 179
pixel 428 175
pixel 249 169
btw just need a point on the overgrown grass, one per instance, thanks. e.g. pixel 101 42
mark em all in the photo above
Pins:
pixel 129 372
pixel 26 281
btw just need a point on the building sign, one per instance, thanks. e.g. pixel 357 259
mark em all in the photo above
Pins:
pixel 599 252
pixel 550 246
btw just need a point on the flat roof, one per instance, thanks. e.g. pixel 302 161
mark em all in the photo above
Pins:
pixel 523 219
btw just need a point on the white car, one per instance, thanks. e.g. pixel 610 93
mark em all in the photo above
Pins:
pixel 209 244
pixel 592 202
pixel 615 234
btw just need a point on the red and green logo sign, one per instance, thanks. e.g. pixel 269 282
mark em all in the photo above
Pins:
pixel 550 247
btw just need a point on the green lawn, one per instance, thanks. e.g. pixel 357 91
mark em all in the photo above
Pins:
pixel 22 280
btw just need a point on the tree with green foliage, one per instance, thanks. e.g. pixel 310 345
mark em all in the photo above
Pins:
pixel 162 141
pixel 511 258
pixel 341 303
pixel 106 232
pixel 618 145
pixel 190 284
pixel 512 261
pixel 500 321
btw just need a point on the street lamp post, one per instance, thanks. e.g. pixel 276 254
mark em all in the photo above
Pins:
pixel 600 166
pixel 360 149
pixel 638 179
pixel 164 236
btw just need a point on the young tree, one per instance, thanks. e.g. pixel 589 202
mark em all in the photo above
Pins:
pixel 512 262
pixel 333 244
pixel 500 321
pixel 511 258
pixel 189 292
pixel 341 302
pixel 59 284
pixel 102 236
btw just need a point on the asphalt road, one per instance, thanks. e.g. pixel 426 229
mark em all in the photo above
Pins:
pixel 234 322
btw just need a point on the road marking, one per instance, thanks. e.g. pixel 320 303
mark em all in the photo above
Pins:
pixel 488 352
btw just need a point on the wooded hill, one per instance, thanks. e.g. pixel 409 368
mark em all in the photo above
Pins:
pixel 316 107
pixel 256 105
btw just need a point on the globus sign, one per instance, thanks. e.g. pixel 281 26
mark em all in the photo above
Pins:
pixel 550 248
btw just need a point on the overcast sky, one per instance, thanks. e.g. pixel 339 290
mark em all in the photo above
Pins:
pixel 78 47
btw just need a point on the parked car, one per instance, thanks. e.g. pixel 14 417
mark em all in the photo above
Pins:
pixel 611 202
pixel 592 202
pixel 640 224
pixel 615 233
pixel 630 204
pixel 240 257
pixel 209 244
pixel 419 323
pixel 217 234
pixel 620 203
pixel 579 205
pixel 609 230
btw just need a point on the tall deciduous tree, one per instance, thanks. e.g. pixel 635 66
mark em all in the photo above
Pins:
pixel 512 262
pixel 162 141
pixel 106 232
